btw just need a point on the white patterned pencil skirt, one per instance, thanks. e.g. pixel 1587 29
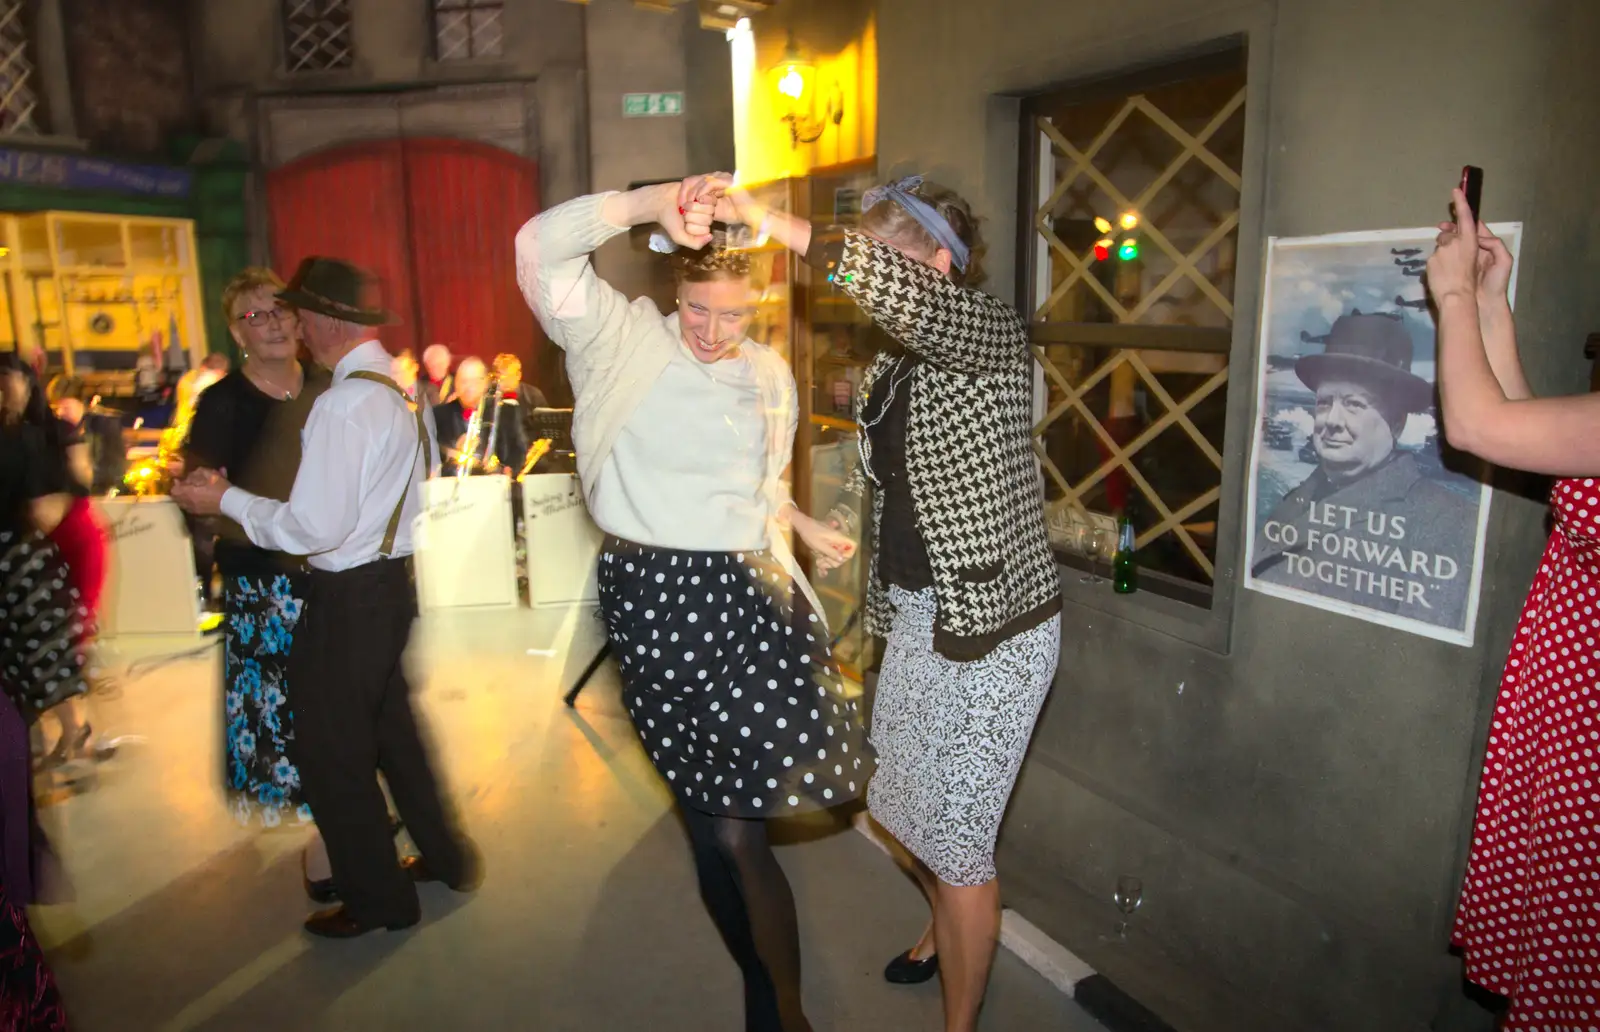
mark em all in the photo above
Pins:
pixel 951 736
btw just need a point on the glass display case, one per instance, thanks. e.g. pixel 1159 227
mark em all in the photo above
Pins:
pixel 829 344
pixel 101 293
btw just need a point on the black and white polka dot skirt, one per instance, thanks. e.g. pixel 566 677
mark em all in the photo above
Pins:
pixel 42 624
pixel 730 681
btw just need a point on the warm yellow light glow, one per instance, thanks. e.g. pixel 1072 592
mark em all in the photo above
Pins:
pixel 793 84
pixel 1102 225
pixel 1107 243
pixel 787 89
pixel 1129 220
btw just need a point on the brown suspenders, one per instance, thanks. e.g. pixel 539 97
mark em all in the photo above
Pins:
pixel 425 445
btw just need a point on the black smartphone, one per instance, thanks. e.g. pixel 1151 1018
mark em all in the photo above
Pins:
pixel 1472 186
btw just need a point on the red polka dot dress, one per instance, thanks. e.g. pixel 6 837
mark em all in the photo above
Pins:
pixel 1529 920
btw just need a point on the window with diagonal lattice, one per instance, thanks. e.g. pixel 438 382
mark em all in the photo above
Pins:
pixel 1134 232
pixel 19 82
pixel 317 35
pixel 464 29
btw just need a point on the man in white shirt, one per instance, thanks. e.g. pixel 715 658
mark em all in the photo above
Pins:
pixel 366 454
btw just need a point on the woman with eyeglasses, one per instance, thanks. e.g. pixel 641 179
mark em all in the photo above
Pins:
pixel 248 424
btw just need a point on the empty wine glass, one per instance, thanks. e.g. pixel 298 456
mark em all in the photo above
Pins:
pixel 1105 547
pixel 1083 538
pixel 1129 894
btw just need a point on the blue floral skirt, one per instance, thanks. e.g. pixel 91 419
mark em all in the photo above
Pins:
pixel 261 609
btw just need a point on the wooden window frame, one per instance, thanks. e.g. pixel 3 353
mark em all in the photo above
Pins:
pixel 434 11
pixel 1178 608
pixel 286 12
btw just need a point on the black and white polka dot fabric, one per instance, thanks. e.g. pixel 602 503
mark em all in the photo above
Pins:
pixel 41 626
pixel 728 677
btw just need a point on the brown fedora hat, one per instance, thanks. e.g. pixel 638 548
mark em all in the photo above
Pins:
pixel 1373 349
pixel 337 289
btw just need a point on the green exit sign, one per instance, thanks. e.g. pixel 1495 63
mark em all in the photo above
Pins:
pixel 651 105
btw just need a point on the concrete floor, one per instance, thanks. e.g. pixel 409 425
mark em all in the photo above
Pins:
pixel 588 919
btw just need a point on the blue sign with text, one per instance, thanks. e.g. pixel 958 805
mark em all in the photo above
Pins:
pixel 76 172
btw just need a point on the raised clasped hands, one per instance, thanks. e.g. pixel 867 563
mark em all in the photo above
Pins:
pixel 1468 259
pixel 710 198
pixel 201 491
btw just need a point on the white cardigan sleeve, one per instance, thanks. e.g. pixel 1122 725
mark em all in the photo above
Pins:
pixel 575 306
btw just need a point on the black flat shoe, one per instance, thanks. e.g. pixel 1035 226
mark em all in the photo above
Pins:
pixel 338 924
pixel 902 970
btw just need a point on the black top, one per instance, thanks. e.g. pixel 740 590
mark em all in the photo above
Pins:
pixel 228 418
pixel 529 397
pixel 32 465
pixel 255 438
pixel 902 554
pixel 21 480
pixel 512 444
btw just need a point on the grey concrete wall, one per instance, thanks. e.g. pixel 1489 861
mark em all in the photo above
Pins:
pixel 129 99
pixel 1298 810
pixel 633 50
pixel 240 44
pixel 708 77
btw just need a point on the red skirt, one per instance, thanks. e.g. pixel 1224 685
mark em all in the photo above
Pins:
pixel 81 539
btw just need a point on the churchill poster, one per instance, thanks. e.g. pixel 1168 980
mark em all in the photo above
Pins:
pixel 1351 507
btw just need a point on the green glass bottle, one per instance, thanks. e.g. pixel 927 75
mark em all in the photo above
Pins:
pixel 1124 570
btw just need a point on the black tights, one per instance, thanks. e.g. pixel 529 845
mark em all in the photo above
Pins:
pixel 750 900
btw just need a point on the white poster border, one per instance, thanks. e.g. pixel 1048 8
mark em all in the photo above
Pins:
pixel 1511 233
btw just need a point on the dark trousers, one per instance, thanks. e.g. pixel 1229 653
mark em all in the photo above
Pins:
pixel 352 718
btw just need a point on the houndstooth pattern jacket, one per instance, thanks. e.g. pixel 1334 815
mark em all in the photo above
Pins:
pixel 974 478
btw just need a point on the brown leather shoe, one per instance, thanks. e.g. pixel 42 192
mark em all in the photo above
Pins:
pixel 418 869
pixel 336 923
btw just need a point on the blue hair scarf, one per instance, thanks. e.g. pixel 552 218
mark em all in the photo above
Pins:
pixel 926 215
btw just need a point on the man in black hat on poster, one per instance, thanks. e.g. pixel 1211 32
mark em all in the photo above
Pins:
pixel 1369 527
pixel 366 455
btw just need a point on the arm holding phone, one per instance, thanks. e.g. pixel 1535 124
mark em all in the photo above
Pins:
pixel 1487 406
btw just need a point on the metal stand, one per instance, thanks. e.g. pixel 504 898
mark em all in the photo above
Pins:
pixel 588 672
pixel 594 664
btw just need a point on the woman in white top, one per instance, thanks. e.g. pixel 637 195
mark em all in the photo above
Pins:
pixel 682 428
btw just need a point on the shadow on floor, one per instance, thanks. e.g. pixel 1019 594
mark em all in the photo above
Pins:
pixel 187 950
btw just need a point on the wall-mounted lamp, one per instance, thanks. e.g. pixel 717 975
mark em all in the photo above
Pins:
pixel 795 81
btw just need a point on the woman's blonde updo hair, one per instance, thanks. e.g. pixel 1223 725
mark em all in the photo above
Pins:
pixel 710 263
pixel 891 223
pixel 717 261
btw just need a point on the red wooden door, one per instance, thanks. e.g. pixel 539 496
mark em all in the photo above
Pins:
pixel 467 201
pixel 434 219
pixel 348 203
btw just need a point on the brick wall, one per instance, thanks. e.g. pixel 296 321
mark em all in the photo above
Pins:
pixel 131 78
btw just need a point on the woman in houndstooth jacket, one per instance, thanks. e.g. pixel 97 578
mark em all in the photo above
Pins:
pixel 963 583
